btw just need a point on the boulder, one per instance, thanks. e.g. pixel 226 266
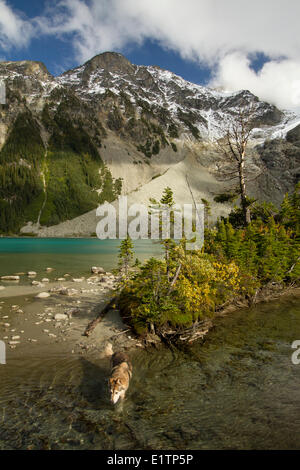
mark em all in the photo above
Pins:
pixel 37 284
pixel 97 270
pixel 10 278
pixel 31 273
pixel 68 292
pixel 293 136
pixel 61 317
pixel 72 311
pixel 43 295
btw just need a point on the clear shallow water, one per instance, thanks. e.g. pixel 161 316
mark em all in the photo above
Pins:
pixel 238 390
pixel 74 256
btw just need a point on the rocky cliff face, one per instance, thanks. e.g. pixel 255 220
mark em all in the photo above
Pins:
pixel 146 124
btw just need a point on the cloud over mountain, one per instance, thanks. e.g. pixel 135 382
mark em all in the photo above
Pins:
pixel 15 29
pixel 222 35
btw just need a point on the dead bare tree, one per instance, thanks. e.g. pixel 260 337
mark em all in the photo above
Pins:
pixel 234 147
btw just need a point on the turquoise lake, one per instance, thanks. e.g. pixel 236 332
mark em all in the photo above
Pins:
pixel 74 256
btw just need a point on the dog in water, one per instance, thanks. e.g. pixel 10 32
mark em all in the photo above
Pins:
pixel 121 373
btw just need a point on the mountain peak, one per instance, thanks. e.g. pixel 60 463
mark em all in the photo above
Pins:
pixel 26 68
pixel 111 62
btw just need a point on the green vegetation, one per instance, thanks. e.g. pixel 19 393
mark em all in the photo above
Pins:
pixel 188 286
pixel 189 120
pixel 174 147
pixel 76 180
pixel 125 256
pixel 266 250
pixel 225 197
pixel 72 181
pixel 20 182
pixel 24 142
pixel 146 149
pixel 68 138
pixel 173 131
pixel 156 147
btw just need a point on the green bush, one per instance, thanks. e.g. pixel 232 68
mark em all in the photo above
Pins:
pixel 186 287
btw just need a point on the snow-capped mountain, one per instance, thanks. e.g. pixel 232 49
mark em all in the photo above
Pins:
pixel 210 110
pixel 142 121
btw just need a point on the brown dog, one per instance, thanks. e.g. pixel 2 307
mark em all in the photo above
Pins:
pixel 121 373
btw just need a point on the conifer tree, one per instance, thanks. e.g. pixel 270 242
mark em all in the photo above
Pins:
pixel 126 256
pixel 166 205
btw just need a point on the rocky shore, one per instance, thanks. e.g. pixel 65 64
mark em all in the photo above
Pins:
pixel 55 314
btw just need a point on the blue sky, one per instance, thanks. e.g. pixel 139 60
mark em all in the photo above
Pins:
pixel 232 44
pixel 58 54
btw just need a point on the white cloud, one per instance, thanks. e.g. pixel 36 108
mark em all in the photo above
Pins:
pixel 221 34
pixel 204 30
pixel 277 82
pixel 218 33
pixel 15 31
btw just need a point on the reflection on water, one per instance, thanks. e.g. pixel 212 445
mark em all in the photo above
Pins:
pixel 239 390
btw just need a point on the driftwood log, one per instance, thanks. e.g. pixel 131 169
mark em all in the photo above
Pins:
pixel 92 325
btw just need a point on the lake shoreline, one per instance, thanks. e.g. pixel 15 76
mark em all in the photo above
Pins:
pixel 57 320
pixel 100 289
pixel 267 294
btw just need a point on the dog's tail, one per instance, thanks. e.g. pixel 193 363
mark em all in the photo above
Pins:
pixel 108 350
